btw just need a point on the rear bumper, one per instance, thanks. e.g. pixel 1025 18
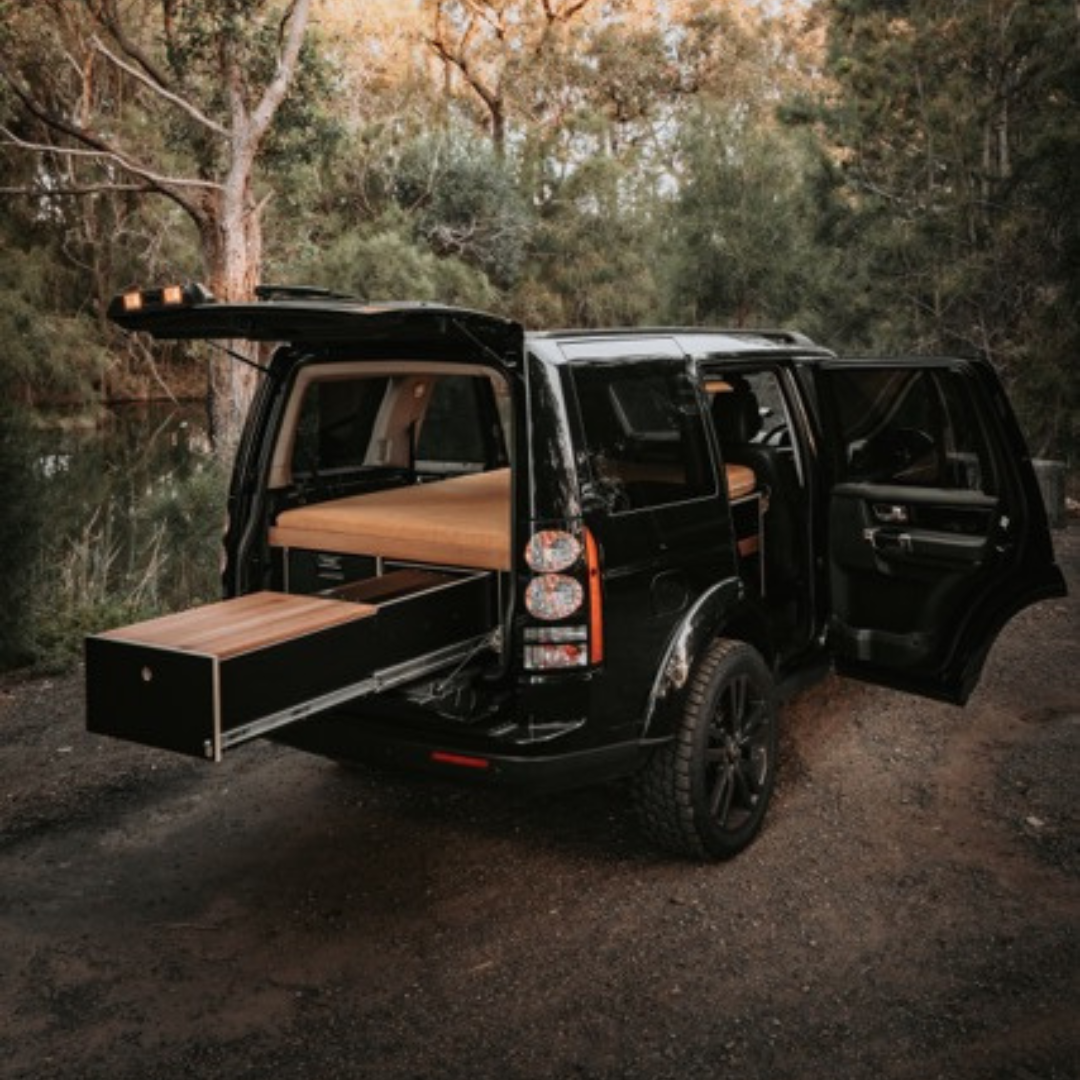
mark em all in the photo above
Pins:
pixel 343 738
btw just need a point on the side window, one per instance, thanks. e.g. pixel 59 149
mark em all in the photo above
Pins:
pixel 336 421
pixel 909 427
pixel 644 433
pixel 451 436
pixel 751 414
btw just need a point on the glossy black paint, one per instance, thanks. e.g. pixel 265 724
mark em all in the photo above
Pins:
pixel 671 579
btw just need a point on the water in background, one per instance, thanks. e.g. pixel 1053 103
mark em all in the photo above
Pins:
pixel 115 522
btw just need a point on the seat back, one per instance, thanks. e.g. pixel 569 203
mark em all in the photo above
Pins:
pixel 737 419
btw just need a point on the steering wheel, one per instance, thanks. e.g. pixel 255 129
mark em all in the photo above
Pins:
pixel 780 435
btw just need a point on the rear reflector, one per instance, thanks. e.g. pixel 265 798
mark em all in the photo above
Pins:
pixel 596 600
pixel 464 761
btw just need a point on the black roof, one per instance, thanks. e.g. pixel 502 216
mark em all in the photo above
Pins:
pixel 315 318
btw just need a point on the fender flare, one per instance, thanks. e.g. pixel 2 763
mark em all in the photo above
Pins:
pixel 724 605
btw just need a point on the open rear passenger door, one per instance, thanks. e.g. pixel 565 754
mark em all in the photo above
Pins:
pixel 936 533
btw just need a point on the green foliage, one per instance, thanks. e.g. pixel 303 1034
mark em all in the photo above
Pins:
pixel 957 193
pixel 594 253
pixel 740 227
pixel 132 534
pixel 464 204
pixel 383 261
pixel 20 531
pixel 47 350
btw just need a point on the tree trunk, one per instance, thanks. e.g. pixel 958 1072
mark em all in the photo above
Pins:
pixel 232 253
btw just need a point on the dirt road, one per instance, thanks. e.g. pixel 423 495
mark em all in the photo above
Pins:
pixel 912 909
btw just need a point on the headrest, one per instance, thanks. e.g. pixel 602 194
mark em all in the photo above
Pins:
pixel 736 415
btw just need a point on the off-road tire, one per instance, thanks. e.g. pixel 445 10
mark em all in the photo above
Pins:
pixel 704 794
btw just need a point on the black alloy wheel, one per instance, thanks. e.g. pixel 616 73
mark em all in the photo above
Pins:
pixel 705 793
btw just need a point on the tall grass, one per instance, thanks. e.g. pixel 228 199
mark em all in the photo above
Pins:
pixel 127 563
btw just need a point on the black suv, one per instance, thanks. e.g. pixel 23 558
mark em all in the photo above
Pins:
pixel 565 557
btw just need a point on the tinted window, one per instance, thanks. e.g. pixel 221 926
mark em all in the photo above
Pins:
pixel 336 421
pixel 908 427
pixel 764 422
pixel 644 433
pixel 452 432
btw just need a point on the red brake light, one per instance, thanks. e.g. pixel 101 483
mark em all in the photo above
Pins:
pixel 553 596
pixel 566 568
pixel 552 550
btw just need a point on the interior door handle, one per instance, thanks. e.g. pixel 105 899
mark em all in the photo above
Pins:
pixel 890 513
pixel 886 540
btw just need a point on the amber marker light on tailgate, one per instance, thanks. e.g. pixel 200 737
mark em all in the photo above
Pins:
pixel 565 585
pixel 137 301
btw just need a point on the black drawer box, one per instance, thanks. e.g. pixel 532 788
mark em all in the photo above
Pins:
pixel 316 571
pixel 201 681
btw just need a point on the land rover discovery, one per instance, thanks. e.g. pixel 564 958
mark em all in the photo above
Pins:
pixel 565 557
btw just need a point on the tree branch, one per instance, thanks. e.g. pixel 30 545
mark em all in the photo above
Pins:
pixel 485 13
pixel 67 192
pixel 110 19
pixel 295 24
pixel 486 94
pixel 554 14
pixel 104 151
pixel 160 90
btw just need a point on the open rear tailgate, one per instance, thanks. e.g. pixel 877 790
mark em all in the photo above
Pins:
pixel 204 680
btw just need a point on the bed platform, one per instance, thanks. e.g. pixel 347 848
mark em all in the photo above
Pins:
pixel 461 521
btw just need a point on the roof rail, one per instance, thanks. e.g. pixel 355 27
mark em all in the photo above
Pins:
pixel 781 337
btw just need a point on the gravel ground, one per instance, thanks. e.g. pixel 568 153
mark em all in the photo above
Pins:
pixel 912 909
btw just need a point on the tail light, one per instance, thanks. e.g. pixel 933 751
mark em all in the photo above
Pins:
pixel 563 600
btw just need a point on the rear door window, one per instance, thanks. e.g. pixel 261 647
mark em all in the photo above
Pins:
pixel 644 433
pixel 910 427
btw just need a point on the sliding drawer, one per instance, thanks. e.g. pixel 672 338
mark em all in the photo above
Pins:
pixel 204 680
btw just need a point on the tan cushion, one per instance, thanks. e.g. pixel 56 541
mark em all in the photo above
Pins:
pixel 740 480
pixel 463 521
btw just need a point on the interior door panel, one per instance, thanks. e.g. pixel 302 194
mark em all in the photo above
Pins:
pixel 936 535
pixel 902 565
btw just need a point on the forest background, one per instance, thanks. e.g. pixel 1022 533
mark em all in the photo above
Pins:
pixel 884 175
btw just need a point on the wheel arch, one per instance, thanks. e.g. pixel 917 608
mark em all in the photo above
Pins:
pixel 724 611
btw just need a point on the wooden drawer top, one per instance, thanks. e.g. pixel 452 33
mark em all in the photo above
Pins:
pixel 241 625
